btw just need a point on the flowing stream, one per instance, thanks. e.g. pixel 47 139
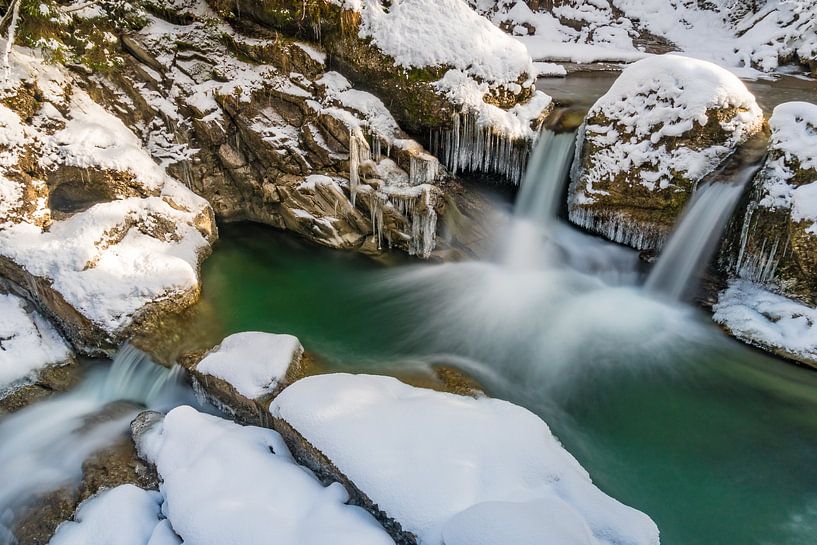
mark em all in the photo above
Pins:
pixel 43 446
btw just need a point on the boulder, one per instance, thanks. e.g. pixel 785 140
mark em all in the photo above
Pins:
pixel 460 459
pixel 245 372
pixel 666 122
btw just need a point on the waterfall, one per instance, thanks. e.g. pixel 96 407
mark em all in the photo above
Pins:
pixel 544 182
pixel 538 200
pixel 696 237
pixel 45 445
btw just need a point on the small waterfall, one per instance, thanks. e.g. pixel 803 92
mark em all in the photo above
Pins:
pixel 696 237
pixel 538 200
pixel 545 177
pixel 43 446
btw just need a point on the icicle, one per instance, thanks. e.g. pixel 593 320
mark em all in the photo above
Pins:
pixel 359 152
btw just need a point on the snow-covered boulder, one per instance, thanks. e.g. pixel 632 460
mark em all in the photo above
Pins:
pixel 226 484
pixel 665 123
pixel 90 226
pixel 775 242
pixel 245 372
pixel 442 468
pixel 767 320
pixel 28 345
pixel 440 65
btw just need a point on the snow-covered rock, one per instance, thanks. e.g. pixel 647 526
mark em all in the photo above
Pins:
pixel 775 241
pixel 435 62
pixel 28 344
pixel 665 123
pixel 442 468
pixel 245 371
pixel 90 225
pixel 125 515
pixel 767 320
pixel 226 484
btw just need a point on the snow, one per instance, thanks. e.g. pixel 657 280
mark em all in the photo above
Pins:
pixel 125 515
pixel 659 98
pixel 112 259
pixel 763 318
pixel 28 343
pixel 252 362
pixel 225 484
pixel 439 463
pixel 750 39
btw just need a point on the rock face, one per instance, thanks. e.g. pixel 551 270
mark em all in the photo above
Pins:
pixel 245 372
pixel 441 66
pixel 254 122
pixel 772 245
pixel 91 228
pixel 666 123
pixel 775 243
pixel 468 466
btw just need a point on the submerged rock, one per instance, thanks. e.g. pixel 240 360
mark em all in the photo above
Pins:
pixel 460 459
pixel 667 122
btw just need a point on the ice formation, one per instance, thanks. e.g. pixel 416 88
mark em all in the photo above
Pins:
pixel 759 317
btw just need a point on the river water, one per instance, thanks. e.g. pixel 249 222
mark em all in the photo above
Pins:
pixel 713 440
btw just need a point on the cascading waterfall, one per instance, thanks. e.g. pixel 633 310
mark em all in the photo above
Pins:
pixel 696 237
pixel 44 445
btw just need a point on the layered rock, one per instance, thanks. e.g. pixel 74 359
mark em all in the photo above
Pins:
pixel 468 466
pixel 441 66
pixel 665 123
pixel 91 228
pixel 256 124
pixel 773 244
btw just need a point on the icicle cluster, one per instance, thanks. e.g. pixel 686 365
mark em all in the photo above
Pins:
pixel 416 206
pixel 423 169
pixel 359 152
pixel 470 146
pixel 758 267
pixel 618 228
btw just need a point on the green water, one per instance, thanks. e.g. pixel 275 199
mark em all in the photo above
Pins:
pixel 716 442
